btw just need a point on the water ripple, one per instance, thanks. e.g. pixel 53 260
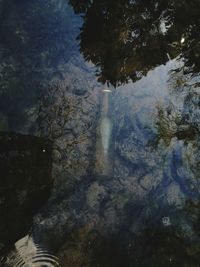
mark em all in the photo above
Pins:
pixel 29 254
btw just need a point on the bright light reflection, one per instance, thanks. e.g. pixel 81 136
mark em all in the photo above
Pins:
pixel 107 90
pixel 182 40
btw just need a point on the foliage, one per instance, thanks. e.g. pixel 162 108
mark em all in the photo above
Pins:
pixel 125 39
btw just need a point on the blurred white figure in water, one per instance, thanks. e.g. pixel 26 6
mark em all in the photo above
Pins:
pixel 103 155
pixel 105 130
pixel 106 124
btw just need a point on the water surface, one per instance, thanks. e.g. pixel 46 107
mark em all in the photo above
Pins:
pixel 99 133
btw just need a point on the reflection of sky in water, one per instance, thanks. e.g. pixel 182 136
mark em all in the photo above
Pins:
pixel 152 176
pixel 143 192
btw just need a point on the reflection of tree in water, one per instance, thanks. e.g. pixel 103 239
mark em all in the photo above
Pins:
pixel 180 121
pixel 180 117
pixel 170 124
pixel 34 38
pixel 125 38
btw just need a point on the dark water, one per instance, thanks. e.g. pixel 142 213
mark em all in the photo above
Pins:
pixel 99 133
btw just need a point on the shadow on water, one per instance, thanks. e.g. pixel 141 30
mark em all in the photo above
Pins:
pixel 154 247
pixel 25 185
pixel 157 246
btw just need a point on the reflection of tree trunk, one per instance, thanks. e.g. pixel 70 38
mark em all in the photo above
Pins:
pixel 103 151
